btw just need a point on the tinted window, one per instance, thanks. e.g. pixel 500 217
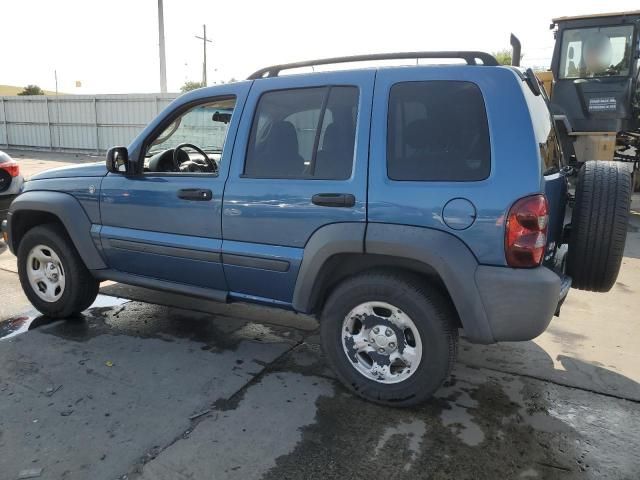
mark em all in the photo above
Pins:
pixel 544 131
pixel 437 131
pixel 303 133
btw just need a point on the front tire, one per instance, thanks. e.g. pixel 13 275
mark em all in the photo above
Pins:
pixel 52 274
pixel 390 338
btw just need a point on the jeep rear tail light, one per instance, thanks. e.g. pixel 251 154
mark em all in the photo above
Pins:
pixel 526 234
pixel 11 167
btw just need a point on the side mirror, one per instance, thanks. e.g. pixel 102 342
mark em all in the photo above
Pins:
pixel 118 160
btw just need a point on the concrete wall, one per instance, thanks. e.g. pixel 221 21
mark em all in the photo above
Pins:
pixel 84 123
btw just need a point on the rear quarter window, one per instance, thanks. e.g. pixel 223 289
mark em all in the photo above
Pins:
pixel 437 131
pixel 544 131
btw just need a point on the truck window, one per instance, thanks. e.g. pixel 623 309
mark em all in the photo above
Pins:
pixel 437 131
pixel 596 52
pixel 303 133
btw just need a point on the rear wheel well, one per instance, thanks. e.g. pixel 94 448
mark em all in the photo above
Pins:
pixel 342 266
pixel 24 220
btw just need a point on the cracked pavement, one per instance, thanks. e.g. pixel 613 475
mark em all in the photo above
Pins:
pixel 149 385
pixel 135 390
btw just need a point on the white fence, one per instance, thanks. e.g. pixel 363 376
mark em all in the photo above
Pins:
pixel 76 122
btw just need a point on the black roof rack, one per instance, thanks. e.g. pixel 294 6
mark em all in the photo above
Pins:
pixel 469 56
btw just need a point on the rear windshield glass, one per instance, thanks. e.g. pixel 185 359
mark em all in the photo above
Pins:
pixel 437 131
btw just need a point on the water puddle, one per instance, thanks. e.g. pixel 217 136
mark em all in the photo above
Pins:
pixel 16 325
pixel 458 417
pixel 413 430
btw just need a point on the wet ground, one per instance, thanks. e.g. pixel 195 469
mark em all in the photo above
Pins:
pixel 136 390
pixel 150 385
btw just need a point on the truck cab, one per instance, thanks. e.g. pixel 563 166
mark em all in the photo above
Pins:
pixel 596 93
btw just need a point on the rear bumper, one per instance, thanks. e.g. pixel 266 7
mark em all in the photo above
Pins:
pixel 520 303
pixel 5 202
pixel 8 195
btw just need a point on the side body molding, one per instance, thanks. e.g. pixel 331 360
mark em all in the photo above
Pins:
pixel 327 241
pixel 449 257
pixel 70 213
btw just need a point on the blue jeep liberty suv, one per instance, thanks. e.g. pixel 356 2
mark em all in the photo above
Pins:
pixel 399 204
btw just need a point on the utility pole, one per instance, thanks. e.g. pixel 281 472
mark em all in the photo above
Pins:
pixel 163 59
pixel 55 74
pixel 204 54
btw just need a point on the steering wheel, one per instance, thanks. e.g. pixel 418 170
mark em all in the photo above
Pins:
pixel 176 162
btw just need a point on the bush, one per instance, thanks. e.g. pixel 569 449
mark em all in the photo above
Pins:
pixel 32 90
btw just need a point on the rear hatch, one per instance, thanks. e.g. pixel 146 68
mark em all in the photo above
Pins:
pixel 551 165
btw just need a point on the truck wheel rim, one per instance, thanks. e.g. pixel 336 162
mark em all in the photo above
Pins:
pixel 45 273
pixel 381 342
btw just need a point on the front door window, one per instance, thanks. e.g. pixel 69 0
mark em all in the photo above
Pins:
pixel 193 142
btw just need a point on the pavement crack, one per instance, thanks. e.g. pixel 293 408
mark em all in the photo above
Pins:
pixel 232 401
pixel 137 468
pixel 553 382
pixel 556 467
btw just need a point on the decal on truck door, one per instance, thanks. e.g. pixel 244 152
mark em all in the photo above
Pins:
pixel 603 104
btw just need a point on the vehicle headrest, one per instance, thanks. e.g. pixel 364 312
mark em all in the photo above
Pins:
pixel 283 137
pixel 338 139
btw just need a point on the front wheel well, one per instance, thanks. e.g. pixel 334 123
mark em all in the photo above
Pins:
pixel 24 220
pixel 342 266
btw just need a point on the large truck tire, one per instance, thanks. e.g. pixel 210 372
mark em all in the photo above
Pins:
pixel 599 225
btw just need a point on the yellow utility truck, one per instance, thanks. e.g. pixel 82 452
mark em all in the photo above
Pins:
pixel 593 86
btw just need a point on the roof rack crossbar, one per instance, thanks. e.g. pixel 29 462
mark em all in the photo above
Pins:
pixel 470 57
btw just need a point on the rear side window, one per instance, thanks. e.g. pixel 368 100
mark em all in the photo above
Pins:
pixel 303 133
pixel 437 131
pixel 545 132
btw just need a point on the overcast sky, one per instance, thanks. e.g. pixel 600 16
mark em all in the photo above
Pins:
pixel 111 46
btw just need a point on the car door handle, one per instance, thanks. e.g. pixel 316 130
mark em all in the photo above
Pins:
pixel 199 194
pixel 334 199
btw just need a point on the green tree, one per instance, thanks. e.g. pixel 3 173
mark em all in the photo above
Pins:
pixel 504 56
pixel 31 90
pixel 189 85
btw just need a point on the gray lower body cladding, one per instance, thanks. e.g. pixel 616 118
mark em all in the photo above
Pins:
pixel 519 303
pixel 70 213
pixel 494 303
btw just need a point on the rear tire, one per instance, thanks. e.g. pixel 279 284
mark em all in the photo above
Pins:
pixel 599 225
pixel 68 287
pixel 389 301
